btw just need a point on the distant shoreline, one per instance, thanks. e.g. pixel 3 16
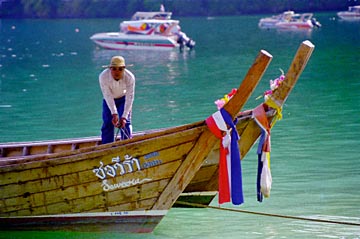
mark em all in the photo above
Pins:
pixel 65 9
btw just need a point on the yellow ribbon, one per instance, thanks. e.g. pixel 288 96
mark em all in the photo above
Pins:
pixel 271 103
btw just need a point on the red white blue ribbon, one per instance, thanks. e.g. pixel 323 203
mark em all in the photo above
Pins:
pixel 230 178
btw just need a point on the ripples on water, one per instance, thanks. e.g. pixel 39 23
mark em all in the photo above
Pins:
pixel 49 89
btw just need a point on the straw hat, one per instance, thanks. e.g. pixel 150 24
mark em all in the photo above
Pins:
pixel 117 61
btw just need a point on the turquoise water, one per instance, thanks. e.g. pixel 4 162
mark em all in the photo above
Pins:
pixel 49 90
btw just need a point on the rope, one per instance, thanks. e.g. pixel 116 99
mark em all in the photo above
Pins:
pixel 117 133
pixel 124 131
pixel 268 214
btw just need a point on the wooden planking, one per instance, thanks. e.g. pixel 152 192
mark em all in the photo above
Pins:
pixel 141 148
pixel 178 152
pixel 204 174
pixel 144 204
pixel 75 178
pixel 64 200
pixel 86 144
pixel 141 200
pixel 186 171
pixel 188 135
pixel 46 147
pixel 204 186
pixel 64 175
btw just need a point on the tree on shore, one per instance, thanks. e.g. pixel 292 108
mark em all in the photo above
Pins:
pixel 125 8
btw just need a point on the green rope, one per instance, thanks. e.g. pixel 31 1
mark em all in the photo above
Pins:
pixel 269 214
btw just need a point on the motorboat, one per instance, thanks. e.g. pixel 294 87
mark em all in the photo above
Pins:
pixel 140 34
pixel 270 22
pixel 289 20
pixel 353 13
pixel 298 21
pixel 146 30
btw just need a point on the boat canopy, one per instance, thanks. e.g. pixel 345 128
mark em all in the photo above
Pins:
pixel 354 9
pixel 151 15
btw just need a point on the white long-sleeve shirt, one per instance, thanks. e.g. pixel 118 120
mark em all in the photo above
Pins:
pixel 112 89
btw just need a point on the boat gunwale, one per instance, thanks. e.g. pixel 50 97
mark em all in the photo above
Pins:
pixel 141 135
pixel 145 136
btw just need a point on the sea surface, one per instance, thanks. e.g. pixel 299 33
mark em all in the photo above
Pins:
pixel 49 90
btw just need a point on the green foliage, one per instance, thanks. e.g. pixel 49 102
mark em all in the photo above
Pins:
pixel 125 8
pixel 39 8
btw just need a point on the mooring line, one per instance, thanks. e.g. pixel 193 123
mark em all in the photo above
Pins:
pixel 269 214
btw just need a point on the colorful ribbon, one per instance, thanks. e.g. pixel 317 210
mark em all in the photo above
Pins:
pixel 264 178
pixel 230 178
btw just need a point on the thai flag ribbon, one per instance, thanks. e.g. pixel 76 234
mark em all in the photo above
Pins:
pixel 264 179
pixel 230 178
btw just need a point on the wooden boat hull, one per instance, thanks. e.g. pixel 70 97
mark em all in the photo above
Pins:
pixel 204 180
pixel 115 183
pixel 122 221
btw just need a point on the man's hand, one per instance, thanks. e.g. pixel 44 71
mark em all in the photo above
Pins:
pixel 118 123
pixel 115 120
pixel 122 122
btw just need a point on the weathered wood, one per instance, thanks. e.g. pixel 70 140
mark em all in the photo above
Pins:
pixel 207 140
pixel 296 68
pixel 155 143
pixel 14 151
pixel 204 174
pixel 32 191
pixel 249 83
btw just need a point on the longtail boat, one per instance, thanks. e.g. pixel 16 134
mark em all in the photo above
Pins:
pixel 125 186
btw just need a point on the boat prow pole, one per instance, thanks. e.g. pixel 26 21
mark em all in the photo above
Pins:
pixel 207 140
pixel 296 68
pixel 249 83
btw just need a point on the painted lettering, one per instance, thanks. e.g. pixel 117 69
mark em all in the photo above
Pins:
pixel 152 163
pixel 151 155
pixel 128 165
pixel 110 187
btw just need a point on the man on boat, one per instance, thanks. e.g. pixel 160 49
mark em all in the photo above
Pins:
pixel 118 88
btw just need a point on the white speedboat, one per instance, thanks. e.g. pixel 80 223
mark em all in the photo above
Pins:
pixel 270 22
pixel 146 30
pixel 352 14
pixel 289 20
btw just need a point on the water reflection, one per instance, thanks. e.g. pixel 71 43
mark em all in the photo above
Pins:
pixel 155 58
pixel 147 63
pixel 291 31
